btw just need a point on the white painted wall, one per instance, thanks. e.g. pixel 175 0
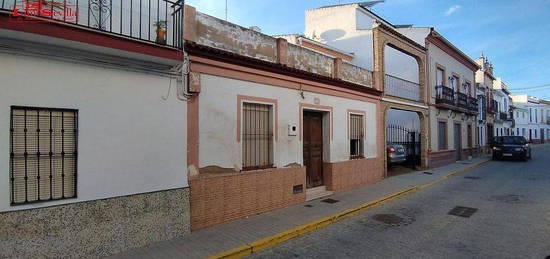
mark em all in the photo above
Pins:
pixel 418 34
pixel 343 27
pixel 523 119
pixel 218 122
pixel 399 64
pixel 349 28
pixel 130 140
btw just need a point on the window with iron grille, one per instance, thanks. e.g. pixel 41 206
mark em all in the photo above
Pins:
pixel 257 136
pixel 356 135
pixel 43 154
pixel 442 135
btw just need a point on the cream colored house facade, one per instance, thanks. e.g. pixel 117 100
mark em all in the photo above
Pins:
pixel 451 96
pixel 487 106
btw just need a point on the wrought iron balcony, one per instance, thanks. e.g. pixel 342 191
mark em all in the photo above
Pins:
pixel 492 107
pixel 462 100
pixel 444 95
pixel 472 104
pixel 503 116
pixel 396 86
pixel 510 115
pixel 483 114
pixel 155 21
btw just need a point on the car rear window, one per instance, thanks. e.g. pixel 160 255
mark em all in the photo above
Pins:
pixel 510 140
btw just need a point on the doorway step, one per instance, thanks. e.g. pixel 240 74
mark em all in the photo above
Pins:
pixel 317 192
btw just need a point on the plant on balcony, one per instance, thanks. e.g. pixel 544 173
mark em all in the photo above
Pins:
pixel 161 32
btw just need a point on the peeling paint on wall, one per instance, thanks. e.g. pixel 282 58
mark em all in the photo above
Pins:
pixel 220 34
pixel 354 74
pixel 309 60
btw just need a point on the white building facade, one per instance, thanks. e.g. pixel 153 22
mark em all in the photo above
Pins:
pixel 532 118
pixel 93 147
pixel 504 120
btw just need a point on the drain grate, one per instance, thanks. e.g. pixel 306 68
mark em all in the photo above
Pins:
pixel 460 211
pixel 427 173
pixel 472 177
pixel 330 201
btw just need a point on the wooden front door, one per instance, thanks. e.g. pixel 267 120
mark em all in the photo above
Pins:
pixel 313 148
pixel 458 141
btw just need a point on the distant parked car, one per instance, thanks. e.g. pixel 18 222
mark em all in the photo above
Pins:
pixel 511 147
pixel 396 153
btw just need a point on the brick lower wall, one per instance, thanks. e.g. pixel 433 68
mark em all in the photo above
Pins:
pixel 342 176
pixel 466 152
pixel 220 198
pixel 438 159
pixel 485 150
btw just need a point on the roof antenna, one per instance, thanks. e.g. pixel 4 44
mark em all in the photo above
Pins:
pixel 226 10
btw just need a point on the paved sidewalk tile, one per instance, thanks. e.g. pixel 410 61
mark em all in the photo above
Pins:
pixel 223 237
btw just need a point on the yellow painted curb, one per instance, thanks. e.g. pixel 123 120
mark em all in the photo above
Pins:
pixel 275 239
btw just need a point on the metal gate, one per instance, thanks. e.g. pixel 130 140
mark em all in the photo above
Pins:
pixel 409 139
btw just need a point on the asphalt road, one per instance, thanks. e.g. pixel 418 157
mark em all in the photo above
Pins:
pixel 512 220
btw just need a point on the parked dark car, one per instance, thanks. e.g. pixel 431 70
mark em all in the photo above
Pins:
pixel 396 153
pixel 511 147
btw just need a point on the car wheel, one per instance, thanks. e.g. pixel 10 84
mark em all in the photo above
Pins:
pixel 525 158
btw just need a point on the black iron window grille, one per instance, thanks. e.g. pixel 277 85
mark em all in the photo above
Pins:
pixel 43 154
pixel 356 139
pixel 257 136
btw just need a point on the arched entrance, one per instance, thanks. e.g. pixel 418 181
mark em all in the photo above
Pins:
pixel 403 141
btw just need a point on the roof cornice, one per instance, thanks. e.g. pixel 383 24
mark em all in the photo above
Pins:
pixel 441 42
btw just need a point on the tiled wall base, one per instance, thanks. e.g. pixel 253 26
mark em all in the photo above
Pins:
pixel 342 176
pixel 219 198
pixel 96 228
pixel 438 159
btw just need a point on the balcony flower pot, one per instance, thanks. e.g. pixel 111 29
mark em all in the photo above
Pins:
pixel 161 32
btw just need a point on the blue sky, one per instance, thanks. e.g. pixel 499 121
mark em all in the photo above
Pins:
pixel 513 34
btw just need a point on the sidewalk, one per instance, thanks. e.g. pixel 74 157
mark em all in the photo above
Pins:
pixel 244 235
